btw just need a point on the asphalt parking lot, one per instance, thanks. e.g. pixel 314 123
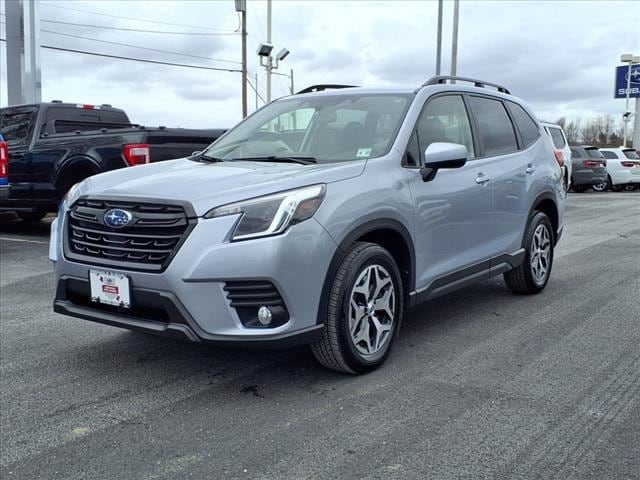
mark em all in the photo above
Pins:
pixel 481 384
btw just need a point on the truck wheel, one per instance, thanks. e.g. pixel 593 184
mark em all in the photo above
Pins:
pixel 532 276
pixel 34 216
pixel 365 306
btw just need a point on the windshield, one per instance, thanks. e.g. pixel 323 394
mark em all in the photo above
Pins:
pixel 326 128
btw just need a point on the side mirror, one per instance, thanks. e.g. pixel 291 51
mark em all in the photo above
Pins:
pixel 196 153
pixel 440 155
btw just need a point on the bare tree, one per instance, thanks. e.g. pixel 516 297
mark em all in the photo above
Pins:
pixel 572 131
pixel 562 121
pixel 590 131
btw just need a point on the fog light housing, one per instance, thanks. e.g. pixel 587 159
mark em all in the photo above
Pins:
pixel 264 315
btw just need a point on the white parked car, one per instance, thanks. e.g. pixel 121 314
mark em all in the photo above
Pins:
pixel 562 150
pixel 623 168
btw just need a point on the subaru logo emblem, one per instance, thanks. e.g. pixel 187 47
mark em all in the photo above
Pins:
pixel 117 218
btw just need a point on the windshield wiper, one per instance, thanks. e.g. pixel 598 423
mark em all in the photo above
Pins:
pixel 276 158
pixel 201 157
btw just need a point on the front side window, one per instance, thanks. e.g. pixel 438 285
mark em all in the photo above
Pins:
pixel 494 126
pixel 445 119
pixel 327 128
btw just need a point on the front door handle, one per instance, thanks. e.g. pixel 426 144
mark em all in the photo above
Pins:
pixel 482 178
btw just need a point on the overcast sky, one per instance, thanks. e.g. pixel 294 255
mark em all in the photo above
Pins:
pixel 559 56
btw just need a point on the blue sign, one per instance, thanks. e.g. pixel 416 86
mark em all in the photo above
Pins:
pixel 622 77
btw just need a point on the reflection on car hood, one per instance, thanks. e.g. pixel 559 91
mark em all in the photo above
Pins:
pixel 207 185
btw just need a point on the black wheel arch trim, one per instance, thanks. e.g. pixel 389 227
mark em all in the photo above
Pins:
pixel 343 247
pixel 73 162
pixel 541 197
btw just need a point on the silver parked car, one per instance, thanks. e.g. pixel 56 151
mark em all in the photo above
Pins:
pixel 320 219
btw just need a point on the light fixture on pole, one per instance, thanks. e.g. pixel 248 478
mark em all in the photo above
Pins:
pixel 267 61
pixel 241 7
pixel 630 60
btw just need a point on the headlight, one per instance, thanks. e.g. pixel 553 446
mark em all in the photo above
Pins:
pixel 271 214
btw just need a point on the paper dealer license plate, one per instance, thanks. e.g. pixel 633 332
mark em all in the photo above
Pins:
pixel 110 288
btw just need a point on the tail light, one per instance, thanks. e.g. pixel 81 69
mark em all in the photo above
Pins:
pixel 629 164
pixel 593 164
pixel 137 153
pixel 4 163
pixel 559 157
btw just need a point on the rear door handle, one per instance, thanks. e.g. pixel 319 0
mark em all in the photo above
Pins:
pixel 530 169
pixel 482 178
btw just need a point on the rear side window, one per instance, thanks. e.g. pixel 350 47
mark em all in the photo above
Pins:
pixel 557 137
pixel 631 154
pixel 494 126
pixel 529 131
pixel 15 127
pixel 609 154
pixel 593 152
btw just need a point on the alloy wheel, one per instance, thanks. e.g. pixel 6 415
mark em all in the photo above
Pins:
pixel 540 254
pixel 372 309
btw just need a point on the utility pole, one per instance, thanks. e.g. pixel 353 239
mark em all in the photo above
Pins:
pixel 270 57
pixel 439 41
pixel 454 39
pixel 291 77
pixel 24 79
pixel 241 6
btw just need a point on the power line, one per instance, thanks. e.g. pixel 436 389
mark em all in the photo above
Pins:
pixel 128 18
pixel 105 27
pixel 143 60
pixel 138 47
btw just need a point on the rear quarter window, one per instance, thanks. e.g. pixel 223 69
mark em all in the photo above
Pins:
pixel 609 154
pixel 529 131
pixel 557 137
pixel 16 127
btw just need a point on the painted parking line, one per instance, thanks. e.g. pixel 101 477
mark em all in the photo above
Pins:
pixel 25 240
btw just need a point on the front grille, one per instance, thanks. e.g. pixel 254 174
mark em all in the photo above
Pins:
pixel 248 296
pixel 148 243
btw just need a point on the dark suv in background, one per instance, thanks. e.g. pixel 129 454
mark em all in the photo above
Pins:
pixel 589 169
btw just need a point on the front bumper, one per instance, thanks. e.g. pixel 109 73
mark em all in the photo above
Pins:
pixel 188 300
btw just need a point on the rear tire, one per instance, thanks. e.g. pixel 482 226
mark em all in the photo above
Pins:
pixel 533 274
pixel 35 216
pixel 629 188
pixel 612 187
pixel 365 307
pixel 579 188
pixel 600 187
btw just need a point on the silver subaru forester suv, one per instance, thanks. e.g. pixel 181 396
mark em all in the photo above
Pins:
pixel 320 219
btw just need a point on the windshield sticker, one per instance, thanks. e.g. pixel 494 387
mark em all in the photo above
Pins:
pixel 363 152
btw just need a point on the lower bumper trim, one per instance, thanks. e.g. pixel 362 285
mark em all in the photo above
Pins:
pixel 185 332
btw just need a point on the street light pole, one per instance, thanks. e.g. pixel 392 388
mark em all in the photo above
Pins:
pixel 629 59
pixel 454 40
pixel 439 41
pixel 270 57
pixel 241 6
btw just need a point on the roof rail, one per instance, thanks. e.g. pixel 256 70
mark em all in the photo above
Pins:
pixel 439 79
pixel 322 87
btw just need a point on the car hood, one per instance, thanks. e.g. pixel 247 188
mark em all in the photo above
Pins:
pixel 208 185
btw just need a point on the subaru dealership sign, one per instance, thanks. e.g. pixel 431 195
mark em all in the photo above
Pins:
pixel 623 76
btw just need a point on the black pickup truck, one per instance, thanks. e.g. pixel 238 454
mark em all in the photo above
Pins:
pixel 52 146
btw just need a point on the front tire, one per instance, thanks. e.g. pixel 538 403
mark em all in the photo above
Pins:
pixel 365 307
pixel 533 274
